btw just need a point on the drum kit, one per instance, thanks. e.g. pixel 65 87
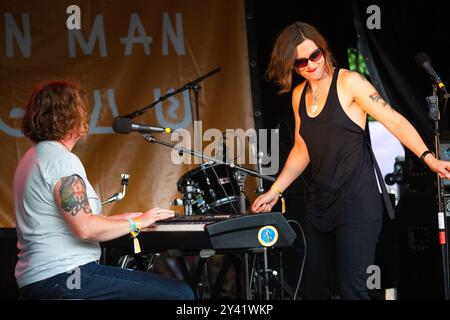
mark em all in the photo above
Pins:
pixel 209 189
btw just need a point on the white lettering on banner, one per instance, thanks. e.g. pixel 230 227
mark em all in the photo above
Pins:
pixel 177 39
pixel 97 32
pixel 173 110
pixel 73 22
pixel 93 129
pixel 13 32
pixel 131 39
pixel 16 113
pixel 172 34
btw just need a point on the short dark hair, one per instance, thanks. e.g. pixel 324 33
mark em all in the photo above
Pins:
pixel 53 111
pixel 283 54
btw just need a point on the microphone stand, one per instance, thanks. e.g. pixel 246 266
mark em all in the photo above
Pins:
pixel 189 85
pixel 434 114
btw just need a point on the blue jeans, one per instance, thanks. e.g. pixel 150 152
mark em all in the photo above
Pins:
pixel 95 281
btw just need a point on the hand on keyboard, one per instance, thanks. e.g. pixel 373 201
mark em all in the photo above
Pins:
pixel 148 218
pixel 265 202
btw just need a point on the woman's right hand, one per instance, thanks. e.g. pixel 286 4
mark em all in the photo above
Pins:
pixel 265 202
pixel 148 218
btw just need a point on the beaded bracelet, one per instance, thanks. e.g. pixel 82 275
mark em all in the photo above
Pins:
pixel 134 231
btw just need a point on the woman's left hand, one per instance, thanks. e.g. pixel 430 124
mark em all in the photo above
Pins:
pixel 439 166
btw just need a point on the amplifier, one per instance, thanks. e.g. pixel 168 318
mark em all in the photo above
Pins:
pixel 420 273
pixel 447 206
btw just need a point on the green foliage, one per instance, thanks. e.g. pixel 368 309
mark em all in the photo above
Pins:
pixel 356 63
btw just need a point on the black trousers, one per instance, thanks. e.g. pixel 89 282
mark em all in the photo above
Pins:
pixel 337 261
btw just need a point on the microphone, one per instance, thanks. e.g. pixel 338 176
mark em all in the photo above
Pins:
pixel 124 125
pixel 424 63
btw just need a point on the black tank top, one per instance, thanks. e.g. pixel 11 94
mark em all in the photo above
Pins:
pixel 344 188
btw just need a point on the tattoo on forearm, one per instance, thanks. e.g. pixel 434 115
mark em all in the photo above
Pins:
pixel 376 98
pixel 73 195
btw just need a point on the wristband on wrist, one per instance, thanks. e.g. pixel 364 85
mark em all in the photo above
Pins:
pixel 280 194
pixel 134 232
pixel 422 157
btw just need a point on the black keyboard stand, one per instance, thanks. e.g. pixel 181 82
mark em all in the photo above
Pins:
pixel 193 277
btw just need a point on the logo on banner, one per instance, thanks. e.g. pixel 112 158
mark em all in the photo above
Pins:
pixel 268 236
pixel 174 110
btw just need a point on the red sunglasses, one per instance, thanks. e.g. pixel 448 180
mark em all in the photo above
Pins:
pixel 303 62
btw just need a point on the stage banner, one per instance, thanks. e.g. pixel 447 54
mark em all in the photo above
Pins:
pixel 126 55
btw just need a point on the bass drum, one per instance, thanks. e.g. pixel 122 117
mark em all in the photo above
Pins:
pixel 212 188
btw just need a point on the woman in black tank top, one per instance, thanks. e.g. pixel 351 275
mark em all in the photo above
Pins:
pixel 345 206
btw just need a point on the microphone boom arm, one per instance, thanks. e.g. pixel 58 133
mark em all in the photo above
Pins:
pixel 119 195
pixel 188 85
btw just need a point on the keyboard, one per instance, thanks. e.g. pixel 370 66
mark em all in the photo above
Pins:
pixel 217 232
pixel 188 223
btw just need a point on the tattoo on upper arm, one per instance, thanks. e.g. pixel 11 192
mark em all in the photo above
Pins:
pixel 73 195
pixel 376 98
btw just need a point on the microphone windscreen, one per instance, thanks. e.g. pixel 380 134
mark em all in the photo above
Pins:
pixel 421 58
pixel 121 125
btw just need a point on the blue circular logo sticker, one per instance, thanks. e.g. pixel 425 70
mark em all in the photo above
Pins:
pixel 268 236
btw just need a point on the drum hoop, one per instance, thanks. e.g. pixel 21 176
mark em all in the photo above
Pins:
pixel 196 170
pixel 223 201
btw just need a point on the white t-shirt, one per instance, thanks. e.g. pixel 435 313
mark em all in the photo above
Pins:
pixel 46 244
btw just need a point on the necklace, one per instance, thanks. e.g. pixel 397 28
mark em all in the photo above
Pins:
pixel 315 97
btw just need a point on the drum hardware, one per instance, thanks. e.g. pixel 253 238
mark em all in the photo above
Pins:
pixel 119 195
pixel 260 189
pixel 192 198
pixel 241 177
pixel 143 262
pixel 212 171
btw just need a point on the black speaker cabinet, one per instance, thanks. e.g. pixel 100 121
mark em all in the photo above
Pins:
pixel 420 257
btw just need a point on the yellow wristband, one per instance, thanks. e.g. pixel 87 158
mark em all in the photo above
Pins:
pixel 280 194
pixel 274 187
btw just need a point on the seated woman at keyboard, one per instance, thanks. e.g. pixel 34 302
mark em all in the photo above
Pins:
pixel 58 219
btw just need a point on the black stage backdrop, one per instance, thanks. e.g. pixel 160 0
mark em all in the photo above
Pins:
pixel 407 27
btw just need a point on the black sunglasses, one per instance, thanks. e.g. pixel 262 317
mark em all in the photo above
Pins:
pixel 303 62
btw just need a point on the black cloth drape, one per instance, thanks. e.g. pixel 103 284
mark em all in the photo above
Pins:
pixel 407 27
